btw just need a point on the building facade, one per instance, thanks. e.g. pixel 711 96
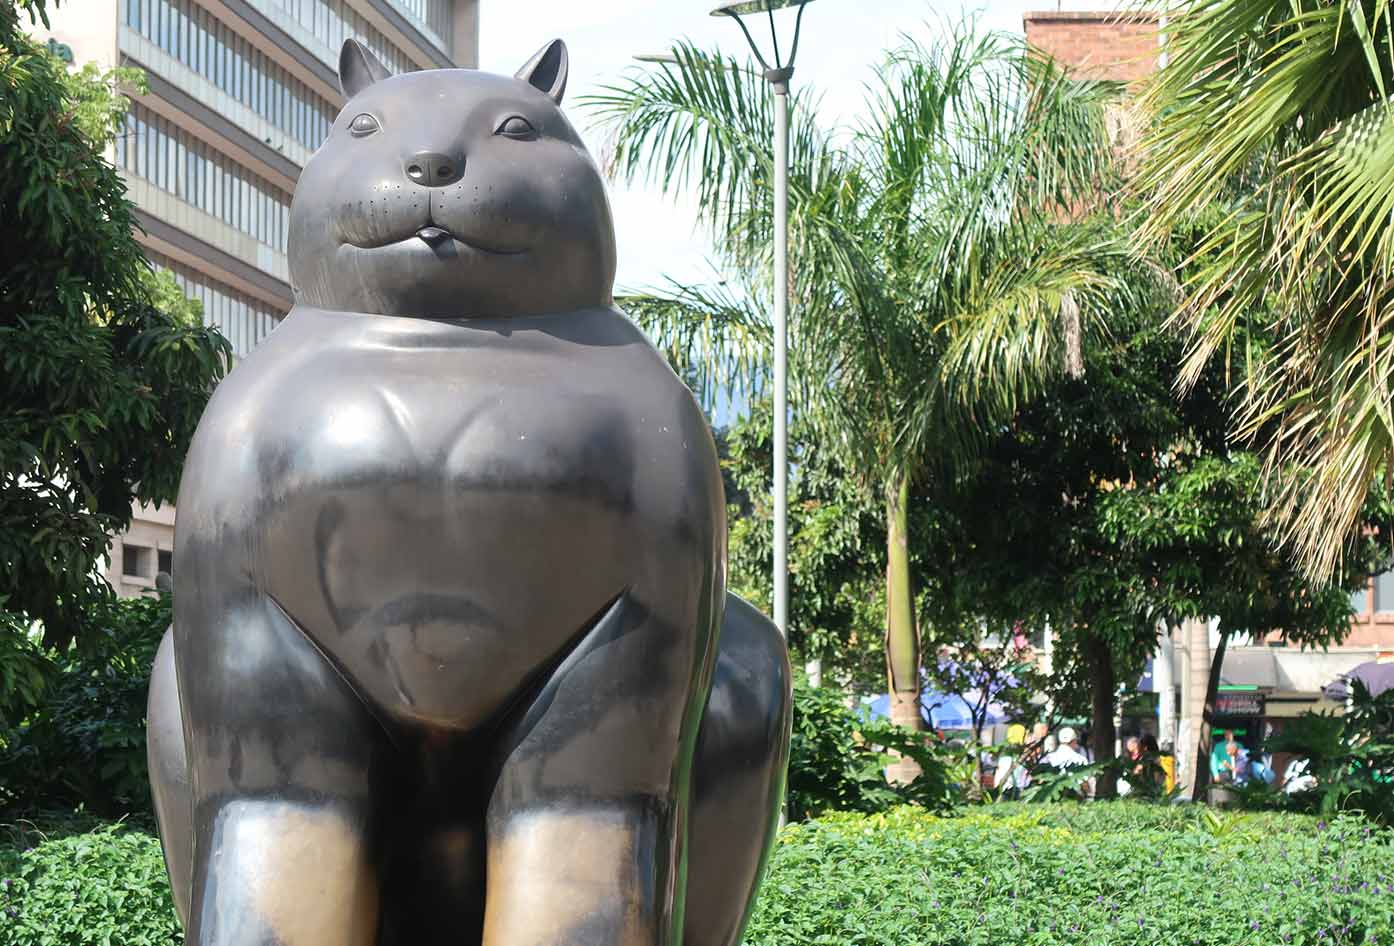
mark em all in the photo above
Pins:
pixel 1121 46
pixel 1263 682
pixel 241 93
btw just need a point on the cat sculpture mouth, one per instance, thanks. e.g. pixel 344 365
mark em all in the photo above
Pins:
pixel 441 241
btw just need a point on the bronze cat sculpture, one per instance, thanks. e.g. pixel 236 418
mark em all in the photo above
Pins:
pixel 452 660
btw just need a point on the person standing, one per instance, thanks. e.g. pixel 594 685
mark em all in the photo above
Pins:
pixel 1013 773
pixel 1067 753
pixel 1132 755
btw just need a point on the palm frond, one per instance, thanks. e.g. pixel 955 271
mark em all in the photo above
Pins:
pixel 715 336
pixel 704 124
pixel 1281 114
pixel 903 233
pixel 1005 337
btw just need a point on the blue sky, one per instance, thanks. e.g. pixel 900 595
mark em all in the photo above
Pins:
pixel 842 39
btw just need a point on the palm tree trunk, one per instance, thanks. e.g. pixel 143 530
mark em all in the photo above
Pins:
pixel 1197 636
pixel 1073 330
pixel 1207 717
pixel 902 639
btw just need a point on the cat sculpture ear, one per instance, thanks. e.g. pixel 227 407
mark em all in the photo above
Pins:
pixel 358 68
pixel 547 71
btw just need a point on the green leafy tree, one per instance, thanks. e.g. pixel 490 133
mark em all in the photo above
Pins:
pixel 1210 554
pixel 831 765
pixel 81 740
pixel 986 670
pixel 1135 511
pixel 933 280
pixel 24 670
pixel 837 548
pixel 1273 137
pixel 838 755
pixel 104 370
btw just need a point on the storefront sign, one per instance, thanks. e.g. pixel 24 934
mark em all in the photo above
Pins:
pixel 1239 704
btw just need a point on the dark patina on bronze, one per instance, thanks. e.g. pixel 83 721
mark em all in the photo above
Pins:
pixel 452 660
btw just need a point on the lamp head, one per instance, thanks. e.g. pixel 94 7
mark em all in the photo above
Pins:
pixel 756 6
pixel 781 71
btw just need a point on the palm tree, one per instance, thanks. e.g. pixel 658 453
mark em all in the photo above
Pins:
pixel 934 273
pixel 1273 140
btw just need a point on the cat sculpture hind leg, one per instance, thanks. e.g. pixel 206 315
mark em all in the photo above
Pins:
pixel 737 785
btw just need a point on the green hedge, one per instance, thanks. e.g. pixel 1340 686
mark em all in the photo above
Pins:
pixel 1041 875
pixel 70 883
pixel 1051 875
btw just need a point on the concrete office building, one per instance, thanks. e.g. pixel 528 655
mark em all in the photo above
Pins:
pixel 242 92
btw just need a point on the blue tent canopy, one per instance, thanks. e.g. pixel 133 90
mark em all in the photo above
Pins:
pixel 942 710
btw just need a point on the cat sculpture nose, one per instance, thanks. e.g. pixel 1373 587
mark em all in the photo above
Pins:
pixel 432 169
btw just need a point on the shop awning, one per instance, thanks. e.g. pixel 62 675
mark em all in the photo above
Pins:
pixel 1289 669
pixel 1251 666
pixel 1377 675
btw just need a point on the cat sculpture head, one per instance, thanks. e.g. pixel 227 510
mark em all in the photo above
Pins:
pixel 452 194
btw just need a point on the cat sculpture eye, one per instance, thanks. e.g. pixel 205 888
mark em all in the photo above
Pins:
pixel 363 125
pixel 517 127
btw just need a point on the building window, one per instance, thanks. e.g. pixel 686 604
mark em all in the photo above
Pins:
pixel 242 320
pixel 226 60
pixel 166 561
pixel 1384 592
pixel 134 559
pixel 333 21
pixel 1360 601
pixel 174 161
pixel 435 15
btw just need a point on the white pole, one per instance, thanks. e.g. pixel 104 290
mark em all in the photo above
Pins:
pixel 1164 683
pixel 1197 634
pixel 781 368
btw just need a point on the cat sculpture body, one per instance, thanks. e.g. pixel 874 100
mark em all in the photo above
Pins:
pixel 452 659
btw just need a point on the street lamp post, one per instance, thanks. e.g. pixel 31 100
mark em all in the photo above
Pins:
pixel 778 76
